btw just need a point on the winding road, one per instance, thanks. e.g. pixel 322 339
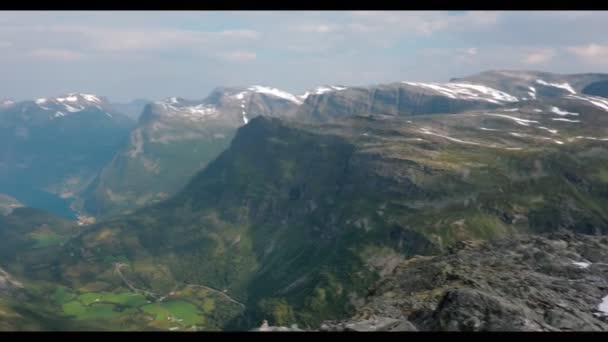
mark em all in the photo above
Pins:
pixel 118 266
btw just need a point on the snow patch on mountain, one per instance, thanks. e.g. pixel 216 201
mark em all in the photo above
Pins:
pixel 558 111
pixel 7 103
pixel 70 103
pixel 566 120
pixel 73 109
pixel 175 107
pixel 174 100
pixel 591 138
pixel 245 120
pixel 566 86
pixel 581 264
pixel 520 121
pixel 552 131
pixel 466 91
pixel 321 90
pixel 532 92
pixel 603 307
pixel 275 92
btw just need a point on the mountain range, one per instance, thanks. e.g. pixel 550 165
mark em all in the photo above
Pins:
pixel 407 205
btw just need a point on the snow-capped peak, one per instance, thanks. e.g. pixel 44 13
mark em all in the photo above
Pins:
pixel 321 90
pixel 194 110
pixel 566 86
pixel 174 100
pixel 79 98
pixel 69 103
pixel 274 92
pixel 7 103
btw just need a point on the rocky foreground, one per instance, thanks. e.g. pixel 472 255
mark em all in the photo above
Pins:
pixel 555 282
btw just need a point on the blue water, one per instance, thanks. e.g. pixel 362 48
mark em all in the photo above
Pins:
pixel 34 198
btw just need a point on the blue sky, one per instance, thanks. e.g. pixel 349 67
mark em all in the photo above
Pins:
pixel 126 55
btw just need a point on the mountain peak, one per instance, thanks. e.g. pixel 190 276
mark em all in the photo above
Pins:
pixel 79 98
pixel 62 105
pixel 6 102
pixel 322 90
pixel 261 89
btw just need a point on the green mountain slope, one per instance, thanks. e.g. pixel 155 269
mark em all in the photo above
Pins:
pixel 294 220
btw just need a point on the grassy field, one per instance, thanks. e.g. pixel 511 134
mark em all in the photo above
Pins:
pixel 183 309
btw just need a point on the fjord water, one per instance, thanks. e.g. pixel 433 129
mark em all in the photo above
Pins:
pixel 38 199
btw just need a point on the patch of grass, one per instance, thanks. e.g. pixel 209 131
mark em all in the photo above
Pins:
pixel 46 239
pixel 178 309
pixel 100 311
pixel 122 298
pixel 95 311
pixel 74 308
pixel 63 295
pixel 602 175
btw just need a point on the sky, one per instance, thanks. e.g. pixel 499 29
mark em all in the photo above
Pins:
pixel 157 54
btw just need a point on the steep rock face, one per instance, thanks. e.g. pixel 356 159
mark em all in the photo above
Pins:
pixel 160 157
pixel 522 283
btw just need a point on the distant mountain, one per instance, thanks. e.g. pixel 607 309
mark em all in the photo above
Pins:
pixel 401 99
pixel 132 109
pixel 56 145
pixel 174 139
pixel 485 91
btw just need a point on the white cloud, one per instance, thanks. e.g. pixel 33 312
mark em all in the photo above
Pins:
pixel 425 22
pixel 591 53
pixel 315 28
pixel 4 44
pixel 132 40
pixel 57 54
pixel 471 51
pixel 539 56
pixel 106 39
pixel 239 56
